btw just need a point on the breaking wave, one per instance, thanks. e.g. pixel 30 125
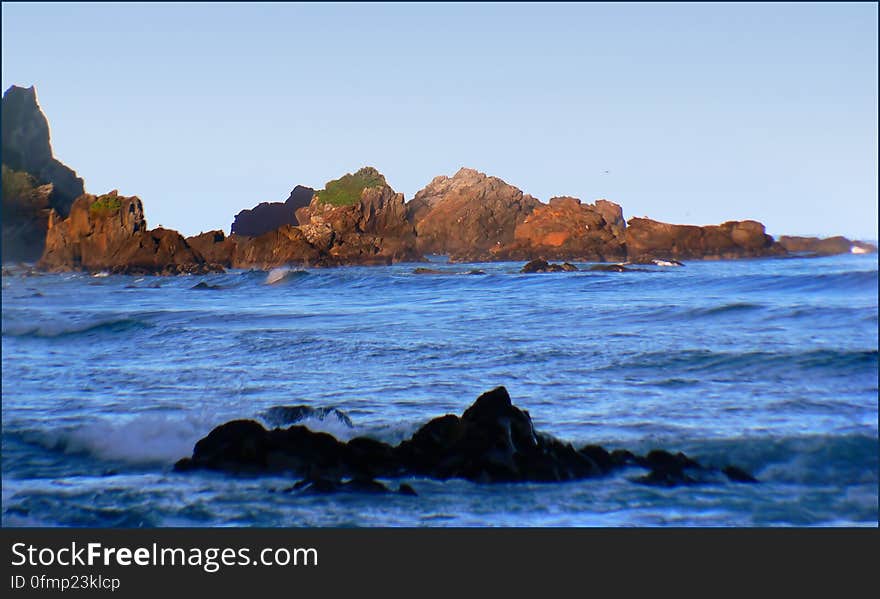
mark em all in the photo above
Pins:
pixel 69 328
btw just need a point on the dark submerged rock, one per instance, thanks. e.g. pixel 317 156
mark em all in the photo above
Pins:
pixel 328 485
pixel 428 271
pixel 738 475
pixel 540 265
pixel 667 469
pixel 608 268
pixel 405 489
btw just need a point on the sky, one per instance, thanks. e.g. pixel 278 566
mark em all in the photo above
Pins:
pixel 684 113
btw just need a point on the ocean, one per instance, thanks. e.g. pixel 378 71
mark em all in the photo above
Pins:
pixel 768 364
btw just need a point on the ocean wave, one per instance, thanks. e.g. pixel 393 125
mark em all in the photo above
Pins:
pixel 706 361
pixel 735 308
pixel 318 418
pixel 672 312
pixel 280 276
pixel 829 282
pixel 849 459
pixel 71 328
pixel 146 439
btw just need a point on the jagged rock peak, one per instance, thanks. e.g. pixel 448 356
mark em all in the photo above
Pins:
pixel 26 147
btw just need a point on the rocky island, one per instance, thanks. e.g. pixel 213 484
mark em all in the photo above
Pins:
pixel 355 219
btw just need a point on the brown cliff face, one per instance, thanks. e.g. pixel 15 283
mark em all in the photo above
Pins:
pixel 27 152
pixel 285 245
pixel 109 233
pixel 214 246
pixel 647 239
pixel 566 229
pixel 824 247
pixel 467 215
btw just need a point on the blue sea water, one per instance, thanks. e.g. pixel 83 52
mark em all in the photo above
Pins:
pixel 768 364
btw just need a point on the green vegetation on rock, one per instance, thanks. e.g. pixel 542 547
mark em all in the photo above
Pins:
pixel 16 184
pixel 105 205
pixel 347 190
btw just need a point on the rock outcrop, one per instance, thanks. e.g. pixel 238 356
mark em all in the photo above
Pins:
pixel 467 215
pixel 286 245
pixel 109 233
pixel 268 216
pixel 27 150
pixel 492 441
pixel 828 246
pixel 566 229
pixel 357 219
pixel 215 247
pixel 648 239
pixel 360 219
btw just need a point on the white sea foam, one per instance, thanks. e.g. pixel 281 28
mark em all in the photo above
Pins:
pixel 141 439
pixel 275 275
pixel 280 275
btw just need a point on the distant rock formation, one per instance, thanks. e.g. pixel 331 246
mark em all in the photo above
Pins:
pixel 359 219
pixel 268 216
pixel 468 215
pixel 648 239
pixel 109 233
pixel 26 150
pixel 566 229
pixel 356 219
pixel 828 246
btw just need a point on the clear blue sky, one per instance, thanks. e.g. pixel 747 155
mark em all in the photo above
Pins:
pixel 701 113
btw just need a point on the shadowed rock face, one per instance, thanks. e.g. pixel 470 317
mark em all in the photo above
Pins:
pixel 268 216
pixel 566 229
pixel 824 247
pixel 26 148
pixel 25 214
pixel 647 239
pixel 467 215
pixel 110 233
pixel 492 441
